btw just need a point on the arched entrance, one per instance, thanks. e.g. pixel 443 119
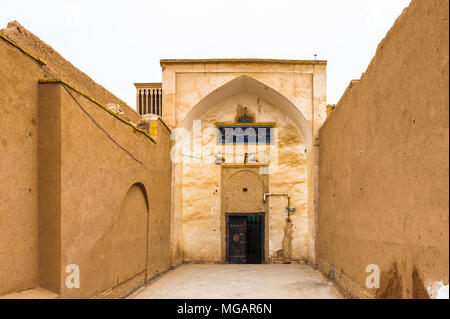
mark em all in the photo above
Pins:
pixel 245 83
pixel 203 215
pixel 244 215
pixel 130 235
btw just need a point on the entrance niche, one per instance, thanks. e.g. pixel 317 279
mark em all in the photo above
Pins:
pixel 244 214
pixel 129 231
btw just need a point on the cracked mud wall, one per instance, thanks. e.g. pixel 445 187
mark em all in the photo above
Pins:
pixel 383 185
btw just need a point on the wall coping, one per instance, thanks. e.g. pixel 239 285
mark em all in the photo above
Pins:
pixel 245 61
pixel 59 81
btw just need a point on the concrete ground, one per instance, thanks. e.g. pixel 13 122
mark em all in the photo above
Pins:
pixel 271 281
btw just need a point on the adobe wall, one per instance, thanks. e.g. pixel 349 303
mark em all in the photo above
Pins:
pixel 79 185
pixel 383 167
pixel 18 170
pixel 63 69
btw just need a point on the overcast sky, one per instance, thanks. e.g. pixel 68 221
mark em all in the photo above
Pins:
pixel 121 42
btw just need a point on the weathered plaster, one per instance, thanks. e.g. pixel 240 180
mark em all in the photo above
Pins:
pixel 64 182
pixel 203 217
pixel 384 170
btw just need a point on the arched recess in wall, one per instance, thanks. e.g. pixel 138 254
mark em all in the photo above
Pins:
pixel 245 83
pixel 130 235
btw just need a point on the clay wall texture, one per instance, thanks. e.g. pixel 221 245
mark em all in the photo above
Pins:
pixel 370 186
pixel 384 164
pixel 68 193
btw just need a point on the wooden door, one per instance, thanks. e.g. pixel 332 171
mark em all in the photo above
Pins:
pixel 236 239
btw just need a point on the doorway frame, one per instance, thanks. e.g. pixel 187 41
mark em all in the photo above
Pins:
pixel 223 211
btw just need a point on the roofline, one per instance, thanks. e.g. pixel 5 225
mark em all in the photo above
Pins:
pixel 217 61
pixel 350 85
pixel 148 85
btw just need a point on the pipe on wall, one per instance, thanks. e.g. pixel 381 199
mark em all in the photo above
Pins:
pixel 274 194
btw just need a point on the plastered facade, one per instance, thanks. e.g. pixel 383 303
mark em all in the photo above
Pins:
pixel 199 95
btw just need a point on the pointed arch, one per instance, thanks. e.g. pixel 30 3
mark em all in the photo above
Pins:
pixel 129 235
pixel 245 83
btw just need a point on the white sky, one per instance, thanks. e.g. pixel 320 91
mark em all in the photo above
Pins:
pixel 121 42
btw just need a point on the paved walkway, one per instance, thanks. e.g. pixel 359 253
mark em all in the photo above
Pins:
pixel 271 281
